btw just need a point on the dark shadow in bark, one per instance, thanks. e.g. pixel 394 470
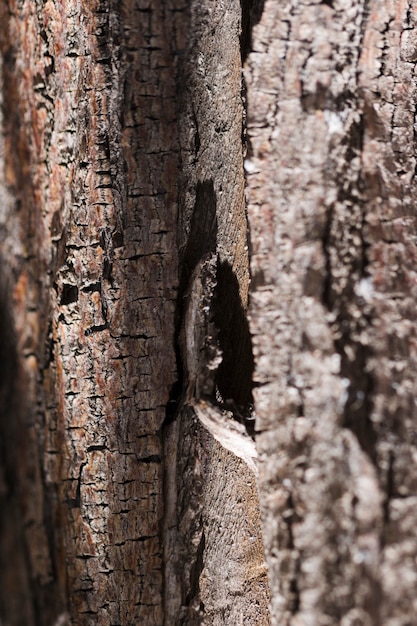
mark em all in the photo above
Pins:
pixel 203 232
pixel 196 569
pixel 234 376
pixel 202 240
pixel 354 355
pixel 15 606
pixel 251 14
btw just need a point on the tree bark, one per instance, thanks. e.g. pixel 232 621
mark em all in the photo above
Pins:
pixel 123 167
pixel 331 179
pixel 91 159
pixel 193 375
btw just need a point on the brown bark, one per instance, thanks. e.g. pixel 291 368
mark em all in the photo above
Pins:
pixel 102 103
pixel 226 583
pixel 91 157
pixel 127 365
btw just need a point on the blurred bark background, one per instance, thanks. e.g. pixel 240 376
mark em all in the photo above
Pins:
pixel 138 137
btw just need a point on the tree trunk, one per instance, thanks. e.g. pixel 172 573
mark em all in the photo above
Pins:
pixel 123 167
pixel 331 180
pixel 177 397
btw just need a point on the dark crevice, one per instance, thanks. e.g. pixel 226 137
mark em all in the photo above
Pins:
pixel 197 140
pixel 251 14
pixel 326 295
pixel 107 244
pixel 294 596
pixel 359 404
pixel 354 354
pixel 202 240
pixel 175 394
pixel 96 448
pixel 234 375
pixel 245 136
pixel 69 294
pixel 153 458
pixel 92 288
pixel 75 503
pixel 231 384
pixel 390 490
pixel 294 592
pixel 95 329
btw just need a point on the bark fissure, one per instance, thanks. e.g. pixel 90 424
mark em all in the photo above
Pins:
pixel 251 13
pixel 202 240
pixel 213 288
pixel 345 304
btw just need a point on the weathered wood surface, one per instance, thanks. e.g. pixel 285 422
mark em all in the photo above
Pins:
pixel 123 164
pixel 91 151
pixel 122 153
pixel 331 177
pixel 214 553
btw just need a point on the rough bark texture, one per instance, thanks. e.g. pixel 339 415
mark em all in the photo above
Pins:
pixel 92 165
pixel 122 166
pixel 122 197
pixel 331 176
pixel 214 580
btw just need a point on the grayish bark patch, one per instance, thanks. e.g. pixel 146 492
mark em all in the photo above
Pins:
pixel 331 96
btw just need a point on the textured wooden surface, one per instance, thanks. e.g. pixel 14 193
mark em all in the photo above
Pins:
pixel 214 548
pixel 91 150
pixel 123 164
pixel 331 177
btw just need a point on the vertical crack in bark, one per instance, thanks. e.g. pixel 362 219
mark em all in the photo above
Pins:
pixel 390 492
pixel 212 229
pixel 202 240
pixel 235 372
pixel 349 303
pixel 251 14
pixel 294 599
pixel 233 379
